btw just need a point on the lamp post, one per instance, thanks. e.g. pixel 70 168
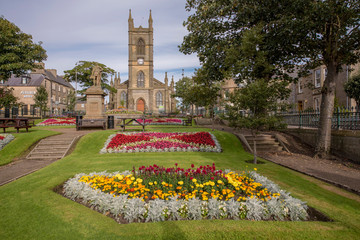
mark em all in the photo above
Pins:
pixel 76 64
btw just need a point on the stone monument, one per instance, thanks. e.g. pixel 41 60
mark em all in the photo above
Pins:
pixel 95 108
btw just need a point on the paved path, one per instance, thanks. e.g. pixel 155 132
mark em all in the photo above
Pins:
pixel 332 171
pixel 25 166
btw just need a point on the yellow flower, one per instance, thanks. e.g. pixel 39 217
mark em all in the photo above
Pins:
pixel 150 183
pixel 180 182
pixel 255 169
pixel 132 178
pixel 219 182
pixel 194 180
pixel 139 180
pixel 155 182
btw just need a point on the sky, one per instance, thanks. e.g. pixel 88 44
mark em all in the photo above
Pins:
pixel 97 30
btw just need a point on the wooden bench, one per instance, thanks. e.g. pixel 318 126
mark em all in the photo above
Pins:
pixel 91 123
pixel 16 123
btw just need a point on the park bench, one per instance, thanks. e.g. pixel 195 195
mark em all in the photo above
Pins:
pixel 91 123
pixel 16 123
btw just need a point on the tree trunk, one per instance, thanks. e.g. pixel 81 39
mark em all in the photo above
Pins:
pixel 326 111
pixel 255 159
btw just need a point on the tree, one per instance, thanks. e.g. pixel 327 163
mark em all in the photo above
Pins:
pixel 352 88
pixel 294 32
pixel 82 72
pixel 41 99
pixel 7 99
pixel 17 50
pixel 258 99
pixel 71 101
pixel 184 90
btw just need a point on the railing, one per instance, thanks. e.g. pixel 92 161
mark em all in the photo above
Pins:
pixel 342 119
pixel 34 113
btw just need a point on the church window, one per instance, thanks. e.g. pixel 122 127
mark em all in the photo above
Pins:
pixel 159 99
pixel 123 99
pixel 141 79
pixel 140 48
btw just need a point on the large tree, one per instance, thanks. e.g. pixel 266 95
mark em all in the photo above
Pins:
pixel 81 73
pixel 307 32
pixel 18 53
pixel 71 101
pixel 184 90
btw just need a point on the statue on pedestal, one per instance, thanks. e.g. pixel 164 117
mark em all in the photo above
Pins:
pixel 96 75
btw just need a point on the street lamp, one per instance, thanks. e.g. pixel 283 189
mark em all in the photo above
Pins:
pixel 76 64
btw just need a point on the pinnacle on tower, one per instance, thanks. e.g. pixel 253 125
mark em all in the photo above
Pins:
pixel 150 20
pixel 131 20
pixel 112 82
pixel 166 79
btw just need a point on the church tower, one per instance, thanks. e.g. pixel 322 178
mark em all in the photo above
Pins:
pixel 141 66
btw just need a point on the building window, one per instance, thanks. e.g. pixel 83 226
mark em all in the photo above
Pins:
pixel 24 80
pixel 123 99
pixel 140 47
pixel 317 104
pixel 24 109
pixel 141 79
pixel 317 78
pixel 300 86
pixel 159 99
pixel 45 83
pixel 300 106
pixel 325 73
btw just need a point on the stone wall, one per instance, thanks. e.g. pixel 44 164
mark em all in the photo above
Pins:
pixel 343 143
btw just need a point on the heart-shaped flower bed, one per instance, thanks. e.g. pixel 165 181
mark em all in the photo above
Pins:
pixel 57 122
pixel 161 142
pixel 5 139
pixel 156 193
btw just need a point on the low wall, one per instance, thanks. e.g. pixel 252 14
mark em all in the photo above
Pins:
pixel 343 143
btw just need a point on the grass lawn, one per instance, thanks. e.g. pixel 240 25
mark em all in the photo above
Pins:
pixel 22 142
pixel 31 210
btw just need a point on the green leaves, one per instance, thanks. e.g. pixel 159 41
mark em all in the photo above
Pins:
pixel 17 51
pixel 81 74
pixel 41 98
pixel 352 88
pixel 7 99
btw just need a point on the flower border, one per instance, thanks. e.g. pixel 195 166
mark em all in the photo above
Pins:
pixel 8 138
pixel 280 208
pixel 217 147
pixel 42 124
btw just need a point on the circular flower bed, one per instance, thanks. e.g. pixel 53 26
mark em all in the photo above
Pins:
pixel 5 139
pixel 156 193
pixel 58 122
pixel 161 142
pixel 160 121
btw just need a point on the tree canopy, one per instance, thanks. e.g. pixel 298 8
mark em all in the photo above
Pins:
pixel 352 88
pixel 81 74
pixel 18 53
pixel 283 33
pixel 41 99
pixel 7 99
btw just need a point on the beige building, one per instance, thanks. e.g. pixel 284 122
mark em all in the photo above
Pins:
pixel 142 92
pixel 306 93
pixel 25 88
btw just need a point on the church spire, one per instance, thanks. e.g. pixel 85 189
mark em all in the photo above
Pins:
pixel 131 20
pixel 166 79
pixel 112 82
pixel 150 20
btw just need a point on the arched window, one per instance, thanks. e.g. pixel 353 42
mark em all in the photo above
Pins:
pixel 159 99
pixel 140 47
pixel 123 99
pixel 141 79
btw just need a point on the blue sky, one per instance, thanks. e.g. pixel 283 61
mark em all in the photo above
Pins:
pixel 94 30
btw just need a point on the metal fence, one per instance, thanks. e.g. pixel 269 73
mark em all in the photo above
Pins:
pixel 342 119
pixel 33 113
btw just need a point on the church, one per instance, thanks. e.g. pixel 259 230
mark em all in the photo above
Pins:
pixel 142 92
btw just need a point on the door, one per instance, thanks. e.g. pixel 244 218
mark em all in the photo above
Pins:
pixel 140 106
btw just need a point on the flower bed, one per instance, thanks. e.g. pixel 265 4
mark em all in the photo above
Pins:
pixel 160 121
pixel 5 139
pixel 123 110
pixel 161 142
pixel 157 194
pixel 58 122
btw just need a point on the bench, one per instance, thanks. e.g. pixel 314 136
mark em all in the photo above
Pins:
pixel 16 123
pixel 187 122
pixel 91 123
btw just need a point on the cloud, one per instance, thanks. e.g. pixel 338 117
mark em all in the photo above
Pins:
pixel 98 31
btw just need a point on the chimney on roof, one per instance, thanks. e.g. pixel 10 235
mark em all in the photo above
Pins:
pixel 40 68
pixel 53 71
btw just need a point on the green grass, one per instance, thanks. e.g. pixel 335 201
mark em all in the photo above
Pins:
pixel 22 142
pixel 31 210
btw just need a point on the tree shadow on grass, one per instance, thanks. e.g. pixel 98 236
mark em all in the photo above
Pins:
pixel 171 231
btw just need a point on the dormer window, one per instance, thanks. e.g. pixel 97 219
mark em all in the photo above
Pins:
pixel 24 80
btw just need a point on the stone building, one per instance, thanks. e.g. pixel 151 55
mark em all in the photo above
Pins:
pixel 142 92
pixel 306 93
pixel 25 88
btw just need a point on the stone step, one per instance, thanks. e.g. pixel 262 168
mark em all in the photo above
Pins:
pixel 54 143
pixel 59 147
pixel 271 149
pixel 44 157
pixel 260 137
pixel 49 153
pixel 263 142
